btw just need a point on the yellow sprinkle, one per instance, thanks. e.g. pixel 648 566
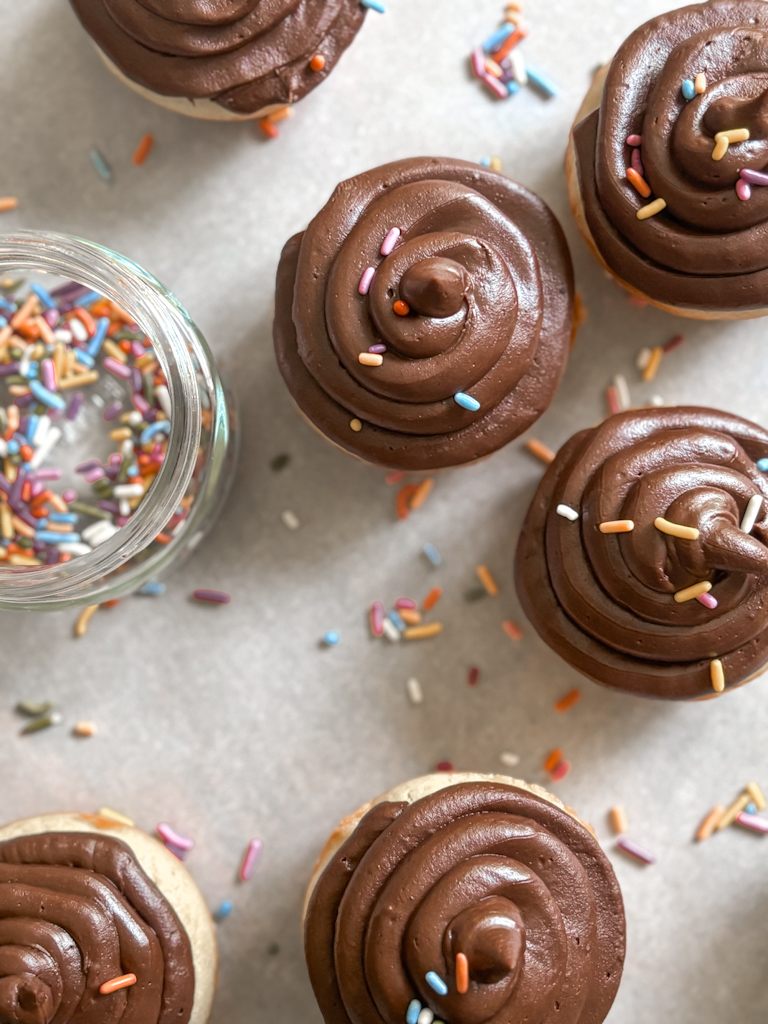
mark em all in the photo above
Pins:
pixel 422 632
pixel 619 820
pixel 85 729
pixel 717 677
pixel 79 380
pixel 121 433
pixel 8 203
pixel 689 593
pixel 708 826
pixel 617 526
pixel 356 425
pixel 85 616
pixel 733 811
pixel 653 363
pixel 651 209
pixel 23 560
pixel 281 115
pixel 736 134
pixel 421 494
pixel 370 359
pixel 721 146
pixel 114 350
pixel 700 83
pixel 540 450
pixel 496 164
pixel 485 577
pixel 107 812
pixel 758 799
pixel 6 521
pixel 675 530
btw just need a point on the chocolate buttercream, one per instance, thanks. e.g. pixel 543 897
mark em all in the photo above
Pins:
pixel 482 868
pixel 605 602
pixel 708 250
pixel 243 54
pixel 485 270
pixel 77 910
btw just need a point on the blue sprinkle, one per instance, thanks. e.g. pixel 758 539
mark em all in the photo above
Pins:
pixel 63 517
pixel 45 297
pixel 436 982
pixel 133 470
pixel 542 81
pixel 159 427
pixel 762 465
pixel 431 553
pixel 492 43
pixel 13 447
pixel 512 87
pixel 32 423
pixel 485 161
pixel 152 588
pixel 3 322
pixel 331 638
pixel 225 908
pixel 33 370
pixel 83 357
pixel 50 537
pixel 94 345
pixel 8 307
pixel 689 89
pixel 466 401
pixel 397 620
pixel 101 165
pixel 88 299
pixel 413 1011
pixel 751 808
pixel 374 5
pixel 42 394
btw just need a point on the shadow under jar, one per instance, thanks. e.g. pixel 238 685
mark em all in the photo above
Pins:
pixel 178 449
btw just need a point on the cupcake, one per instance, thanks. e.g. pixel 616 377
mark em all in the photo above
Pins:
pixel 423 319
pixel 665 164
pixel 469 898
pixel 224 61
pixel 99 923
pixel 643 560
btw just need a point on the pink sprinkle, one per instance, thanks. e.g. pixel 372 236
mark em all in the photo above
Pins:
pixel 390 241
pixel 137 349
pixel 121 520
pixel 139 402
pixel 478 62
pixel 753 821
pixel 474 675
pixel 48 474
pixel 48 375
pixel 250 859
pixel 212 596
pixel 637 162
pixel 69 495
pixel 754 177
pixel 169 835
pixel 115 459
pixel 405 602
pixel 114 366
pixel 634 140
pixel 743 190
pixel 94 474
pixel 636 850
pixel 377 618
pixel 612 397
pixel 112 411
pixel 707 600
pixel 496 86
pixel 636 300
pixel 560 771
pixel 365 281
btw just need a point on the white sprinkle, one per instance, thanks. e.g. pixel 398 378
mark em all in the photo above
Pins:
pixel 751 513
pixel 45 449
pixel 126 449
pixel 657 400
pixel 73 548
pixel 125 507
pixel 415 692
pixel 134 418
pixel 164 399
pixel 567 512
pixel 78 329
pixel 518 67
pixel 622 391
pixel 63 334
pixel 426 1016
pixel 3 448
pixel 128 491
pixel 290 520
pixel 99 532
pixel 509 759
pixel 391 632
pixel 25 360
pixel 98 401
pixel 643 358
pixel 43 426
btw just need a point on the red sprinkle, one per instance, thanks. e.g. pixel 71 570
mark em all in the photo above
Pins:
pixel 474 675
pixel 444 766
pixel 250 860
pixel 512 629
pixel 674 343
pixel 212 596
pixel 560 771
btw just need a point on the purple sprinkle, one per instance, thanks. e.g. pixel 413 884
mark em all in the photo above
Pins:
pixel 15 496
pixel 51 317
pixel 140 403
pixel 177 851
pixel 121 520
pixel 753 821
pixel 379 350
pixel 8 368
pixel 4 485
pixel 637 162
pixel 48 375
pixel 137 349
pixel 112 411
pixel 136 382
pixel 743 190
pixel 52 556
pixel 86 467
pixel 365 281
pixel 111 472
pixel 754 177
pixel 636 850
pixel 93 475
pixel 634 140
pixel 119 369
pixel 48 473
pixel 22 513
pixel 109 506
pixel 69 495
pixel 390 241
pixel 75 405
pixel 24 400
pixel 70 291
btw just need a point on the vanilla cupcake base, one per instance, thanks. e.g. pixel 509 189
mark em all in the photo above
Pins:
pixel 168 875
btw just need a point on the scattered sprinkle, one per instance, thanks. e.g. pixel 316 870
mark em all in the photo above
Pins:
pixel 124 981
pixel 542 82
pixel 365 281
pixel 413 1011
pixel 560 771
pixel 689 593
pixel 8 203
pixel 751 513
pixel 212 596
pixel 424 632
pixel 675 529
pixel 717 675
pixel 290 519
pixel 707 600
pixel 85 616
pixel 466 401
pixel 634 141
pixel 390 241
pixel 743 190
pixel 757 796
pixel 753 822
pixel 674 342
pixel 426 1016
pixel 401 308
pixel 317 63
pixel 689 89
pixel 370 359
pixel 391 632
pixel 414 691
pixel 32 708
pixel 700 83
pixel 225 909
pixel 169 835
pixel 152 588
pixel 508 759
pixel 436 983
pixel 374 5
pixel 732 813
pixel 112 815
pixel 431 599
pixel 250 860
pixel 619 821
pixel 635 850
pixel 143 149
pixel 567 512
pixel 376 617
pixel 638 182
pixel 725 139
pixel 708 826
pixel 553 759
pixel 540 450
pixel 43 722
pixel 617 526
pixel 512 629
pixel 487 580
pixel 102 167
pixel 473 676
pixel 331 638
pixel 85 729
pixel 566 703
pixel 622 390
pixel 653 364
pixel 421 493
pixel 445 766
pixel 432 555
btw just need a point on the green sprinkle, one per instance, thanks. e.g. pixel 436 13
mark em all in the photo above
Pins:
pixel 33 709
pixel 44 722
pixel 279 462
pixel 475 594
pixel 89 510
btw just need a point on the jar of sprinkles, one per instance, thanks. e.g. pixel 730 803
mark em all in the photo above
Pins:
pixel 116 441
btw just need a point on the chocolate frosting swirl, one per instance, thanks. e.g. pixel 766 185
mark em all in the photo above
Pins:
pixel 244 54
pixel 482 868
pixel 605 602
pixel 708 249
pixel 484 268
pixel 76 910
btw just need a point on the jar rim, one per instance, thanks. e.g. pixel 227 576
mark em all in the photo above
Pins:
pixel 176 340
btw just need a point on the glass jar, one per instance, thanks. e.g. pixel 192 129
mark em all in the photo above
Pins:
pixel 197 467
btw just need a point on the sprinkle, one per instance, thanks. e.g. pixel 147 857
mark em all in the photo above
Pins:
pixel 717 675
pixel 8 203
pixel 636 850
pixel 757 796
pixel 391 632
pixel 374 5
pixel 42 394
pixel 365 281
pixel 225 909
pixel 733 812
pixel 512 629
pixel 651 209
pixel 116 816
pixel 414 691
pixel 473 676
pixel 268 128
pixel 424 632
pixel 540 450
pixel 753 822
pixel 487 580
pixel 413 1011
pixel 542 81
pixel 617 526
pixel 43 722
pixel 85 616
pixel 634 141
pixel 250 860
pixel 169 835
pixel 567 512
pixel 403 500
pixel 751 513
pixel 317 63
pixel 478 61
pixel 33 709
pixel 370 359
pixel 85 729
pixel 558 773
pixel 509 759
pixel 622 389
pixel 290 519
pixel 754 177
pixel 143 149
pixel 708 826
pixel 376 616
pixel 331 638
pixel 689 593
pixel 689 89
pixel 421 493
pixel 492 43
pixel 495 86
pixel 212 596
pixel 101 165
pixel 377 350
pixel 762 465
pixel 707 600
pixel 356 425
pixel 619 820
pixel 612 399
pixel 426 1016
pixel 281 114
pixel 653 363
pixel 743 190
pixel 462 974
pixel 432 555
pixel 553 759
pixel 124 981
pixel 401 308
pixel 445 766
pixel 724 139
pixel 520 33
pixel 431 599
pixel 638 183
pixel 466 401
pixel 675 530
pixel 436 983
pixel 566 703
pixel 700 83
pixel 391 240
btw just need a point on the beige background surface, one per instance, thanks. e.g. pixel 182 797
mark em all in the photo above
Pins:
pixel 231 722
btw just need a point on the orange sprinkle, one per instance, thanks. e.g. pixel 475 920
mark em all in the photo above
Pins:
pixel 143 149
pixel 317 63
pixel 540 450
pixel 163 538
pixel 86 319
pixel 113 603
pixel 510 43
pixel 124 981
pixel 638 182
pixel 421 493
pixel 707 827
pixel 553 759
pixel 617 526
pixel 8 203
pixel 567 702
pixel 485 577
pixel 512 629
pixel 410 616
pixel 403 500
pixel 432 598
pixel 462 974
pixel 653 363
pixel 401 308
pixel 269 129
pixel 281 114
